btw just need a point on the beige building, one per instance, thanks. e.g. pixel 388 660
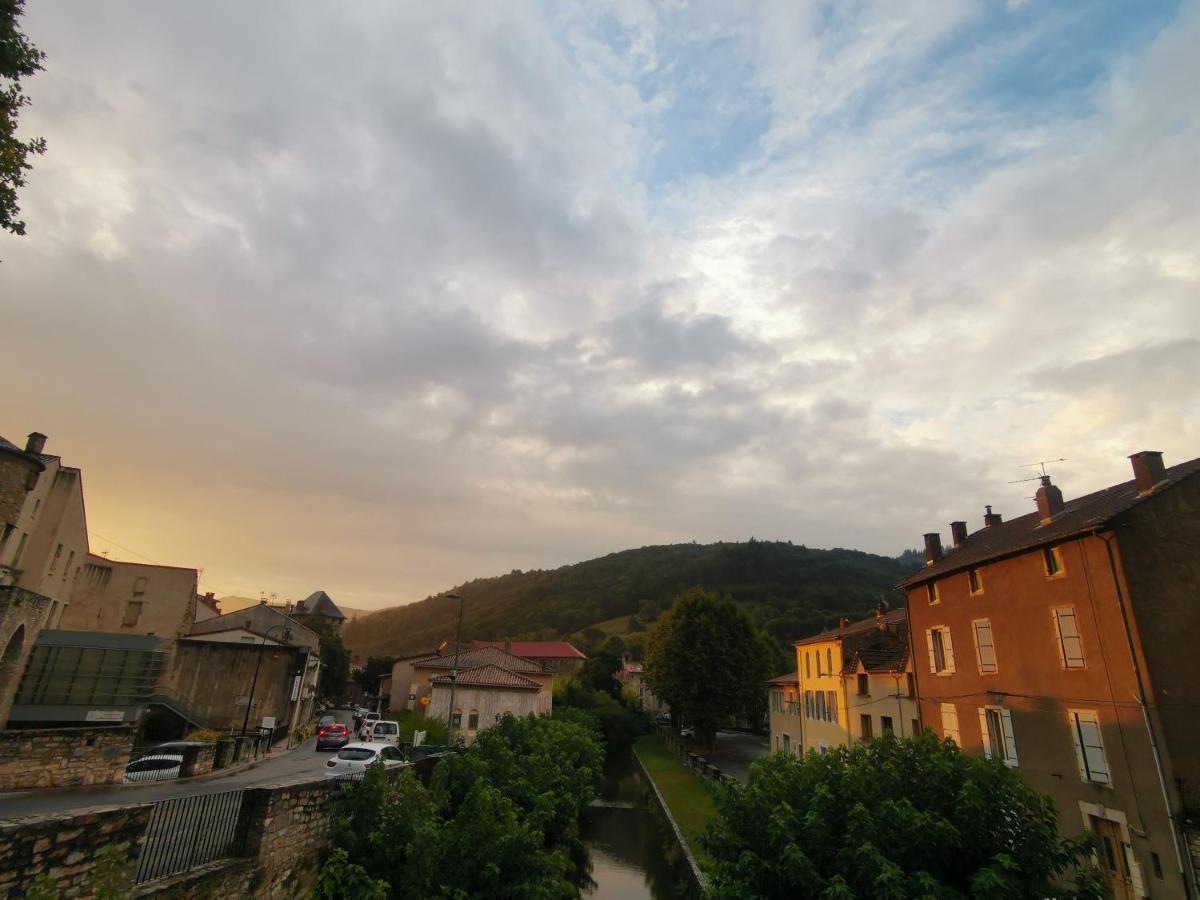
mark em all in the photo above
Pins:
pixel 483 695
pixel 132 598
pixel 426 669
pixel 856 683
pixel 633 681
pixel 783 706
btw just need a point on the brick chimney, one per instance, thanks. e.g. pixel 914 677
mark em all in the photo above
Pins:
pixel 991 518
pixel 959 531
pixel 1049 501
pixel 37 442
pixel 1148 470
pixel 933 548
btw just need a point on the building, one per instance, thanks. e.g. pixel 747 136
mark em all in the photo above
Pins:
pixel 484 694
pixel 1063 642
pixel 559 657
pixel 783 713
pixel 633 681
pixel 319 605
pixel 855 682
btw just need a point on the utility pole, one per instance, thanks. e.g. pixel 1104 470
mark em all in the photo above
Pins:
pixel 285 637
pixel 454 670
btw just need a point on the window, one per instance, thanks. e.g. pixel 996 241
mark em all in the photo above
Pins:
pixel 916 727
pixel 885 725
pixel 1089 748
pixel 912 684
pixel 1157 863
pixel 54 561
pixel 950 723
pixel 807 665
pixel 831 707
pixel 787 743
pixel 139 585
pixel 133 612
pixel 941 651
pixel 985 650
pixel 70 560
pixel 473 720
pixel 456 719
pixel 37 504
pixel 864 725
pixel 975 581
pixel 931 591
pixel 829 660
pixel 1070 645
pixel 818 663
pixel 995 726
pixel 864 686
pixel 97 576
pixel 20 549
pixel 820 704
pixel 1052 561
pixel 808 704
pixel 776 703
pixel 8 532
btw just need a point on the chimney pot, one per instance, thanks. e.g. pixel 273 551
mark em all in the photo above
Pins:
pixel 959 531
pixel 1148 470
pixel 1049 501
pixel 36 443
pixel 933 548
pixel 991 518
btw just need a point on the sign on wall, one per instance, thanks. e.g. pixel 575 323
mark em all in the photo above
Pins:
pixel 105 715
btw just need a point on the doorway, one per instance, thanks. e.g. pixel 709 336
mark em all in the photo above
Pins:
pixel 1112 857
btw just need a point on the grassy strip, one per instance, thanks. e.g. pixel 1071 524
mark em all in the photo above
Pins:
pixel 689 797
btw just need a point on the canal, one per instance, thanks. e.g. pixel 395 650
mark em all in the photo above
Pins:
pixel 625 842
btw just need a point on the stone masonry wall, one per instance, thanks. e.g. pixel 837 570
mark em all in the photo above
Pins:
pixel 66 848
pixel 63 757
pixel 293 832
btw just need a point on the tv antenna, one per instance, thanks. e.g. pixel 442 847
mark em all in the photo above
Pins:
pixel 1040 464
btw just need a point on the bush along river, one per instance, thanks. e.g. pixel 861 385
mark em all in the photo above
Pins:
pixel 631 850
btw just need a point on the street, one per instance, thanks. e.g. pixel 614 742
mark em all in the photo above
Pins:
pixel 277 767
pixel 734 752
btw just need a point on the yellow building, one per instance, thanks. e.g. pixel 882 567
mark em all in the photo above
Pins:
pixel 856 682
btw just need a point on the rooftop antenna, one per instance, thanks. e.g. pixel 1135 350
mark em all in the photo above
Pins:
pixel 1041 464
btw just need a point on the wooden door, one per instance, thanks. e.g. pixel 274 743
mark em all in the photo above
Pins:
pixel 1112 858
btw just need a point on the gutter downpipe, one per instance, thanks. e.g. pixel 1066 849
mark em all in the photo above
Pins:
pixel 1141 699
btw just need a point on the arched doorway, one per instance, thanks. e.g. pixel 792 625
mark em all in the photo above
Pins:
pixel 12 650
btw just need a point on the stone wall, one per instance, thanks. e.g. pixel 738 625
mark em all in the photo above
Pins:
pixel 63 757
pixel 66 849
pixel 22 614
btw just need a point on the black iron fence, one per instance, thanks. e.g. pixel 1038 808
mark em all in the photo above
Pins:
pixel 186 832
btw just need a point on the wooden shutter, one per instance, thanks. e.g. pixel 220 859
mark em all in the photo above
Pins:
pixel 950 723
pixel 984 733
pixel 929 643
pixel 948 647
pixel 1089 748
pixel 1010 741
pixel 1070 644
pixel 985 650
pixel 833 715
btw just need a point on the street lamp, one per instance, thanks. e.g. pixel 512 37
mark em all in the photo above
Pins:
pixel 285 637
pixel 454 670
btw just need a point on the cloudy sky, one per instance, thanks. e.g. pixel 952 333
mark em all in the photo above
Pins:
pixel 379 297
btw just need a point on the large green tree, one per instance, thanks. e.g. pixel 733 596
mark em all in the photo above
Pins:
pixel 19 58
pixel 707 659
pixel 335 658
pixel 893 819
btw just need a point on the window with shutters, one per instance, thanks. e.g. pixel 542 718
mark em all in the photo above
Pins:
pixel 931 592
pixel 950 723
pixel 865 728
pixel 975 581
pixel 1089 746
pixel 886 726
pixel 133 612
pixel 864 686
pixel 911 681
pixel 985 650
pixel 831 707
pixel 941 650
pixel 1052 561
pixel 996 729
pixel 808 704
pixel 1070 644
pixel 820 704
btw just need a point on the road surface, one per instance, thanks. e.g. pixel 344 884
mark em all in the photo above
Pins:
pixel 734 752
pixel 277 767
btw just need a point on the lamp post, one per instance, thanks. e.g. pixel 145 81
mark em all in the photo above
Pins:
pixel 285 636
pixel 454 670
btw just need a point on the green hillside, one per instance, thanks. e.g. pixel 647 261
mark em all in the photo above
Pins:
pixel 792 590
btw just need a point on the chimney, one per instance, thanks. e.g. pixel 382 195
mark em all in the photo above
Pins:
pixel 933 548
pixel 879 612
pixel 37 441
pixel 990 518
pixel 1148 469
pixel 842 623
pixel 959 531
pixel 1049 501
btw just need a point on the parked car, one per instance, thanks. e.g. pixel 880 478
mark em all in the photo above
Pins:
pixel 352 760
pixel 332 736
pixel 369 719
pixel 686 731
pixel 382 731
pixel 157 767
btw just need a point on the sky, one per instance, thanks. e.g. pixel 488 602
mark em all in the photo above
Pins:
pixel 380 297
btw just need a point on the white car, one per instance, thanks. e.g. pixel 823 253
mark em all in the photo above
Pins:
pixel 352 760
pixel 159 767
pixel 383 731
pixel 369 719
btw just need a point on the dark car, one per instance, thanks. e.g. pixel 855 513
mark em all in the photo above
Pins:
pixel 332 736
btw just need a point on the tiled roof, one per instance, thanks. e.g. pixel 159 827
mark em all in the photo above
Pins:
pixel 786 680
pixel 490 676
pixel 319 603
pixel 879 659
pixel 1080 515
pixel 538 649
pixel 481 656
pixel 892 617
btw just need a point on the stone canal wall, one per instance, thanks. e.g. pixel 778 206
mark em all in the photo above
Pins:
pixel 63 757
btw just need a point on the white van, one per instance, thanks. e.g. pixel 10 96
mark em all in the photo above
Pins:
pixel 382 731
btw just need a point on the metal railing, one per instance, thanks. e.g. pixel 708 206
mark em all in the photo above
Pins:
pixel 186 832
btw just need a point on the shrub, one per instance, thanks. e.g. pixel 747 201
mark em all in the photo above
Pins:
pixel 203 734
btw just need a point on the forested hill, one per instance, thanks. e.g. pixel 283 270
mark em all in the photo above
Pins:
pixel 792 590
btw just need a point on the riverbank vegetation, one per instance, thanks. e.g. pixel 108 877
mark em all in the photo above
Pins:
pixel 893 818
pixel 498 820
pixel 689 797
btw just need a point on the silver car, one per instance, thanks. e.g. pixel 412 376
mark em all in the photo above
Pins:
pixel 158 767
pixel 352 760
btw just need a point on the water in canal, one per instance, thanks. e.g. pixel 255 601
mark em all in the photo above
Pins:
pixel 624 842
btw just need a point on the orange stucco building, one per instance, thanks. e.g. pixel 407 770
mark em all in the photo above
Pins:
pixel 1064 642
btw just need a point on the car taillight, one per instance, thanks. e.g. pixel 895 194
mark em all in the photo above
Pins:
pixel 320 732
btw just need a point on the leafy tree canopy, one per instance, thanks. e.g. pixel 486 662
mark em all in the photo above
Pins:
pixel 335 658
pixel 19 58
pixel 368 676
pixel 893 818
pixel 709 661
